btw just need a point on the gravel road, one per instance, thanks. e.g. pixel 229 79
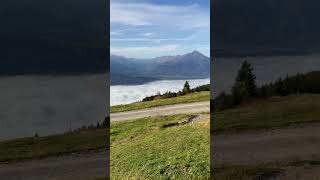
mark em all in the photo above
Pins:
pixel 286 144
pixel 84 166
pixel 162 110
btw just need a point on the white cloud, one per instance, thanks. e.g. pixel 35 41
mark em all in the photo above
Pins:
pixel 115 33
pixel 148 34
pixel 188 38
pixel 170 16
pixel 149 39
pixel 169 29
pixel 147 51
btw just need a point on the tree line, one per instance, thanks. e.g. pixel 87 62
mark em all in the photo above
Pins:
pixel 245 89
pixel 185 90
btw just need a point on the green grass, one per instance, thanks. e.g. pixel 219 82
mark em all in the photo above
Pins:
pixel 275 112
pixel 145 150
pixel 190 98
pixel 28 148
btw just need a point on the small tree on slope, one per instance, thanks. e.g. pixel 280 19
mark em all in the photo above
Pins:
pixel 245 86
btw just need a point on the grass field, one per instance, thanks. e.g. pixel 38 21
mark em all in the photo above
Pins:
pixel 146 150
pixel 193 97
pixel 272 113
pixel 28 148
pixel 275 112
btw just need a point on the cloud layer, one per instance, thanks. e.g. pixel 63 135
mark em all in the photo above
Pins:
pixel 142 14
pixel 130 94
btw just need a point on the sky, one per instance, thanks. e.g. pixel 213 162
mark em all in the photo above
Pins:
pixel 152 28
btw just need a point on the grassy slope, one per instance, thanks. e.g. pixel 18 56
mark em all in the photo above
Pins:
pixel 141 148
pixel 272 113
pixel 145 150
pixel 194 97
pixel 53 145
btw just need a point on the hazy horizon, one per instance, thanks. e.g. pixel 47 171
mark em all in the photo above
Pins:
pixel 168 55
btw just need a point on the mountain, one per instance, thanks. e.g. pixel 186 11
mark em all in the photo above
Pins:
pixel 192 65
pixel 135 71
pixel 128 71
pixel 249 27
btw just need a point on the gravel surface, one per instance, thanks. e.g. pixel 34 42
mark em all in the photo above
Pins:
pixel 76 166
pixel 287 144
pixel 306 172
pixel 162 110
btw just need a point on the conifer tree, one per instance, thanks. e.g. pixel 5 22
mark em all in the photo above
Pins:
pixel 245 86
pixel 186 87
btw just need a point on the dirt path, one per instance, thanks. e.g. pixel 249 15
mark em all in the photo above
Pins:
pixel 293 143
pixel 78 166
pixel 162 110
pixel 306 172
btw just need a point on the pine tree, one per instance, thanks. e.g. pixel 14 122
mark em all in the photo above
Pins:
pixel 245 86
pixel 186 87
pixel 281 88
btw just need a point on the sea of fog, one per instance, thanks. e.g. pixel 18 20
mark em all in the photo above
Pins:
pixel 50 104
pixel 125 94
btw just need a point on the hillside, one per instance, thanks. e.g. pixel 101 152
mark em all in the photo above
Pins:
pixel 188 159
pixel 275 112
pixel 189 98
pixel 134 71
pixel 142 148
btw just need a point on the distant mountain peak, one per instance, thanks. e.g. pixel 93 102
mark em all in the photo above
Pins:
pixel 191 65
pixel 196 52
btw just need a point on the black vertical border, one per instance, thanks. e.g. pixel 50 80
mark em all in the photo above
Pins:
pixel 212 119
pixel 107 58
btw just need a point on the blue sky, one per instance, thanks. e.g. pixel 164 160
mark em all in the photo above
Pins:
pixel 153 28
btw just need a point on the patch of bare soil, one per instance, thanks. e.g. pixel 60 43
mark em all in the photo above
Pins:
pixel 190 120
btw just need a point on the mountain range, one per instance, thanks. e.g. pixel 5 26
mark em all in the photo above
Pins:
pixel 135 71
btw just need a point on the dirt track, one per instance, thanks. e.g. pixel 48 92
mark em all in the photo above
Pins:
pixel 293 143
pixel 162 110
pixel 79 166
